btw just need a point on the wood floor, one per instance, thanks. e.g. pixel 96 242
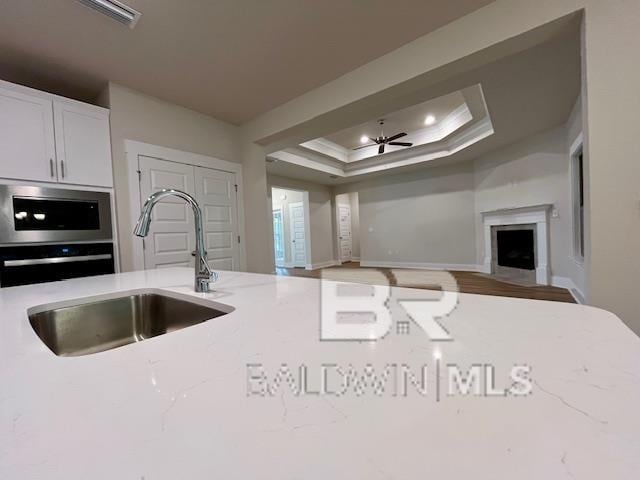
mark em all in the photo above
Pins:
pixel 468 282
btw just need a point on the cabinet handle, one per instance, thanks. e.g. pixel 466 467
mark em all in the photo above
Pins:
pixel 53 174
pixel 62 167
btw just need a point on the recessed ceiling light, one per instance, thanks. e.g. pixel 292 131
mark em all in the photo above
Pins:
pixel 430 120
pixel 364 139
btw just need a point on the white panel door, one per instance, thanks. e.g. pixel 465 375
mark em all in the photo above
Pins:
pixel 344 230
pixel 216 194
pixel 83 145
pixel 171 237
pixel 298 235
pixel 27 145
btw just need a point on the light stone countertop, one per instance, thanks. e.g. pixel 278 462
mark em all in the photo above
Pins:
pixel 182 405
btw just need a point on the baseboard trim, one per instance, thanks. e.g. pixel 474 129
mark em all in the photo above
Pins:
pixel 423 265
pixel 355 259
pixel 316 266
pixel 565 282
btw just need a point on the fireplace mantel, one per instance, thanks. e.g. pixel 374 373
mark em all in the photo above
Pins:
pixel 531 214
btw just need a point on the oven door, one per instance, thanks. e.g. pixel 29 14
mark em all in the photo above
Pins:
pixel 24 265
pixel 38 214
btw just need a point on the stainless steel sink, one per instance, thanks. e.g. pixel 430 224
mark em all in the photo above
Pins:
pixel 96 324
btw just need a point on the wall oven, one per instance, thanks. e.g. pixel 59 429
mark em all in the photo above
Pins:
pixel 49 234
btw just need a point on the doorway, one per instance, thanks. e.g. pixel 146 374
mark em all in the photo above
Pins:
pixel 291 240
pixel 348 227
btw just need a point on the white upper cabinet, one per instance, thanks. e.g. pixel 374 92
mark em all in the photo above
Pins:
pixel 47 138
pixel 83 145
pixel 27 147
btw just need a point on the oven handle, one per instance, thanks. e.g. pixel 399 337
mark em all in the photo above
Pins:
pixel 46 261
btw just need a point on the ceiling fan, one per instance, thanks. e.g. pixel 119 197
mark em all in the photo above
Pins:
pixel 381 141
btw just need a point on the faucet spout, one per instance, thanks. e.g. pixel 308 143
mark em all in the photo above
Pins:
pixel 203 273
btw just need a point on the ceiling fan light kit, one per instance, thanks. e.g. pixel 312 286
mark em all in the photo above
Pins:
pixel 383 141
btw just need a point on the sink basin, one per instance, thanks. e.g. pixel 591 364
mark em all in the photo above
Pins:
pixel 91 325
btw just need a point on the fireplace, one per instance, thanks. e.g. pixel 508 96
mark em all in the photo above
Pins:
pixel 514 252
pixel 516 243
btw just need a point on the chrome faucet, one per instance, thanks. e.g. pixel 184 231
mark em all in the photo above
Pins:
pixel 204 274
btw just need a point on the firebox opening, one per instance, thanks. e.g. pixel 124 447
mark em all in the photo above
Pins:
pixel 516 249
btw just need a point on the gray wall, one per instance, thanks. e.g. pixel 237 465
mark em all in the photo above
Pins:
pixel 424 217
pixel 531 172
pixel 135 116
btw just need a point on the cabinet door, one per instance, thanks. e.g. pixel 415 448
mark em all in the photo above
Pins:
pixel 27 147
pixel 83 145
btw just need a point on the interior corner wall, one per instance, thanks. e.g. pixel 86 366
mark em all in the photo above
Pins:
pixel 136 116
pixel 320 217
pixel 258 218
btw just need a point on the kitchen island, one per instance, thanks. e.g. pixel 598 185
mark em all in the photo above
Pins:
pixel 241 396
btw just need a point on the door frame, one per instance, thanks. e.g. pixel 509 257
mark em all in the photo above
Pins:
pixel 134 149
pixel 340 259
pixel 307 223
pixel 279 210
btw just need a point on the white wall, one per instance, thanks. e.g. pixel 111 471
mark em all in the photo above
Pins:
pixel 320 218
pixel 135 116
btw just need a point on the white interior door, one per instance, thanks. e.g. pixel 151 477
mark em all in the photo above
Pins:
pixel 298 234
pixel 344 230
pixel 171 237
pixel 278 237
pixel 27 145
pixel 216 194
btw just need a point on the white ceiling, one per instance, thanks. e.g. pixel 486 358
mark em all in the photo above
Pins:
pixel 525 93
pixel 232 59
pixel 407 120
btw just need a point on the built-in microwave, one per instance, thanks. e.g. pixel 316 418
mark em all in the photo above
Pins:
pixel 50 234
pixel 31 214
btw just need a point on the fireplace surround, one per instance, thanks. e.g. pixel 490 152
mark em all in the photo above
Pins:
pixel 534 218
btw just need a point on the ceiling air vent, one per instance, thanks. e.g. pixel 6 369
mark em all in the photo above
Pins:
pixel 116 10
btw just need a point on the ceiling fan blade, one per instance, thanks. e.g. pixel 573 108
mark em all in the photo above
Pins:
pixel 365 146
pixel 374 140
pixel 401 144
pixel 381 148
pixel 399 135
